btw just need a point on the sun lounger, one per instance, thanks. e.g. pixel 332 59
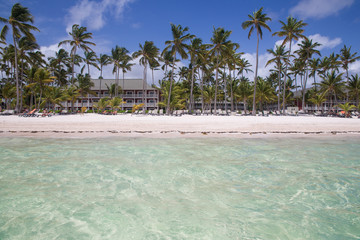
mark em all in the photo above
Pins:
pixel 8 112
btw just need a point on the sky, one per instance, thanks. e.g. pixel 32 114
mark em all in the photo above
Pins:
pixel 332 23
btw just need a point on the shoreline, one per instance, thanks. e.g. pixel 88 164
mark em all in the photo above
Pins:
pixel 98 126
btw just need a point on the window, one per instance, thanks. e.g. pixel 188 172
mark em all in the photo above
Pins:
pixel 129 92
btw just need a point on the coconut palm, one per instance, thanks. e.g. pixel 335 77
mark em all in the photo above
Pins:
pixel 220 46
pixel 80 38
pixel 115 103
pixel 256 22
pixel 346 107
pixel 177 45
pixel 332 85
pixel 19 23
pixel 244 91
pixel 306 51
pixel 101 104
pixel 354 88
pixel 103 60
pixel 42 78
pixel 279 58
pixel 147 53
pixel 265 93
pixel 318 99
pixel 291 30
pixel 84 87
pixel 71 94
pixel 314 65
pixel 118 54
pixel 347 58
pixel 194 49
pixel 90 59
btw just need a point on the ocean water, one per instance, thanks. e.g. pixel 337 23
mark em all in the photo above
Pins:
pixel 179 188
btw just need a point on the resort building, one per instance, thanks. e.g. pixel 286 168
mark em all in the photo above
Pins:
pixel 130 90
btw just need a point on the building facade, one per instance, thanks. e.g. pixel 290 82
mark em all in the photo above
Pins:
pixel 131 92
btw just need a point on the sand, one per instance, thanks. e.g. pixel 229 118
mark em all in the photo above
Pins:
pixel 95 125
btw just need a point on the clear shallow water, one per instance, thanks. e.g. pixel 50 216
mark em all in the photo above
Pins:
pixel 179 189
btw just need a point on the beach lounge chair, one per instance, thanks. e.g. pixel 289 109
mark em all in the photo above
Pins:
pixel 8 112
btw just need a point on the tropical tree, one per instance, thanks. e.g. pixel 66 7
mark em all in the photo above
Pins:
pixel 19 23
pixel 332 85
pixel 177 45
pixel 318 99
pixel 314 65
pixel 71 94
pixel 103 60
pixel 84 87
pixel 90 59
pixel 115 103
pixel 279 58
pixel 80 38
pixel 220 46
pixel 347 107
pixel 147 53
pixel 101 104
pixel 354 88
pixel 257 21
pixel 347 58
pixel 42 78
pixel 118 54
pixel 8 92
pixel 265 93
pixel 306 51
pixel 291 30
pixel 244 91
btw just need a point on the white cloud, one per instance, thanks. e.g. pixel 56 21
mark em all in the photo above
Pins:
pixel 354 68
pixel 92 13
pixel 325 42
pixel 319 8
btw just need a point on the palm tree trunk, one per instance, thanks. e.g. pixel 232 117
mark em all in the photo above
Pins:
pixel 16 77
pixel 192 89
pixel 279 80
pixel 144 89
pixel 256 72
pixel 286 68
pixel 217 82
pixel 72 68
pixel 123 87
pixel 225 90
pixel 304 91
pixel 347 83
pixel 202 90
pixel 171 80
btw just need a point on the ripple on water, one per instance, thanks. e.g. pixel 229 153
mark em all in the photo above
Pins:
pixel 179 189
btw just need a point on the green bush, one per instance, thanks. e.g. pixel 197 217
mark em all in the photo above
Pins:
pixel 89 111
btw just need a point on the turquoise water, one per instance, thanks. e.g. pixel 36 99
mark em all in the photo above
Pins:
pixel 179 189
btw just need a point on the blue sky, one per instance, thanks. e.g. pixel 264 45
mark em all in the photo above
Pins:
pixel 127 23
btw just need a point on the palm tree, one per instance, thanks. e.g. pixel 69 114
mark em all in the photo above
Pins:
pixel 90 59
pixel 354 87
pixel 42 78
pixel 84 88
pixel 79 40
pixel 346 107
pixel 177 45
pixel 306 51
pixel 244 91
pixel 125 65
pixel 19 22
pixel 332 85
pixel 220 46
pixel 72 94
pixel 147 53
pixel 194 49
pixel 314 65
pixel 279 58
pixel 103 61
pixel 347 58
pixel 291 30
pixel 101 104
pixel 118 54
pixel 257 21
pixel 318 100
pixel 265 92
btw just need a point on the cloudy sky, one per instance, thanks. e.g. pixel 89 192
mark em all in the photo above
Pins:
pixel 127 23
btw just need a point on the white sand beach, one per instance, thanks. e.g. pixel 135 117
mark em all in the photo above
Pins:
pixel 95 125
